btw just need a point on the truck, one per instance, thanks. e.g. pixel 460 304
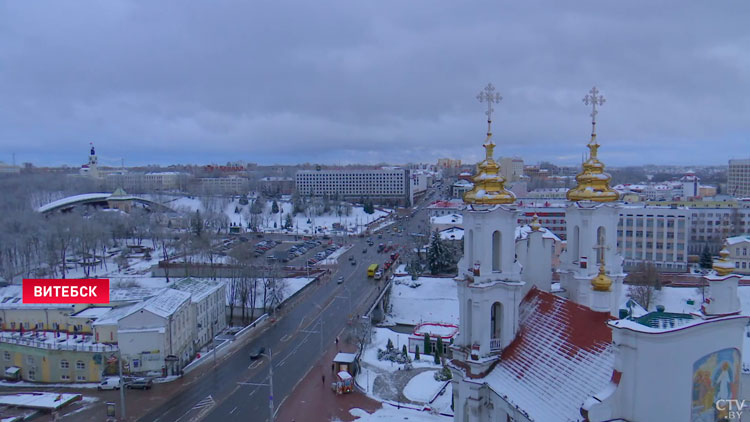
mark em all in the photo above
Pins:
pixel 371 270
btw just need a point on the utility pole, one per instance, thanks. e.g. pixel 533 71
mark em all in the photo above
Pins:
pixel 122 384
pixel 270 384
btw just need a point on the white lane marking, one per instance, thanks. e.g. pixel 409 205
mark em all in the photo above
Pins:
pixel 286 338
pixel 233 410
pixel 255 364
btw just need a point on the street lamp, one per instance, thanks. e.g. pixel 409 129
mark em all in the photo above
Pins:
pixel 269 384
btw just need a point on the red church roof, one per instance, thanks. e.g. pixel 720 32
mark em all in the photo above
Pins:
pixel 562 355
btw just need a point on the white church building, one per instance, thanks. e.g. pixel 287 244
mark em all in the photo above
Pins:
pixel 528 351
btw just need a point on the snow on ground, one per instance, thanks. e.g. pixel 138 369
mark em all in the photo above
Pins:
pixel 423 387
pixel 435 300
pixel 380 338
pixel 185 203
pixel 36 385
pixel 36 400
pixel 389 413
pixel 443 402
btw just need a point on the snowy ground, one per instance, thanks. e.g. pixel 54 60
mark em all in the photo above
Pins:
pixel 290 287
pixel 238 214
pixel 390 413
pixel 435 300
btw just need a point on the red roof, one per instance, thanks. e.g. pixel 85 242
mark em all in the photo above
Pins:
pixel 562 355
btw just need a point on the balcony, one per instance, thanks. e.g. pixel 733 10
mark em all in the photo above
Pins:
pixel 495 346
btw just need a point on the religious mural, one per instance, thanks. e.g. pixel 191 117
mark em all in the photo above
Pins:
pixel 715 376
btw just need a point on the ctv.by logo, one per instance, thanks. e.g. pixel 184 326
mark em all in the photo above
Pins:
pixel 730 409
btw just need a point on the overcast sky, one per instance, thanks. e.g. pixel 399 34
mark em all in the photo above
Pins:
pixel 369 81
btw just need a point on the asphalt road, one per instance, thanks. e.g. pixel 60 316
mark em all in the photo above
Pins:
pixel 294 340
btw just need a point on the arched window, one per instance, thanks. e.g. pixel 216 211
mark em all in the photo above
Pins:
pixel 496 316
pixel 496 251
pixel 469 246
pixel 469 311
pixel 573 247
pixel 601 239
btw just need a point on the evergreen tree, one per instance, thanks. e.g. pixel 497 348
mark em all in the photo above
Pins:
pixel 436 354
pixel 404 351
pixel 389 346
pixel 439 346
pixel 275 207
pixel 426 344
pixel 196 224
pixel 706 261
pixel 416 352
pixel 288 222
pixel 440 257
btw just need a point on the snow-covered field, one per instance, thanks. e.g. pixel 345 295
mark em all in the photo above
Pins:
pixel 435 300
pixel 423 387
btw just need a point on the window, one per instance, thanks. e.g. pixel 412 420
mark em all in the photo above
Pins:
pixel 64 364
pixel 30 360
pixel 65 377
pixel 80 365
pixel 80 377
pixel 6 355
pixel 32 375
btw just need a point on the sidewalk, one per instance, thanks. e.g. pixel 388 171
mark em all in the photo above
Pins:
pixel 314 401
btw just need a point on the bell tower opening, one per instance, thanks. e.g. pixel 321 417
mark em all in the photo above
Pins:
pixel 601 237
pixel 497 251
pixel 496 319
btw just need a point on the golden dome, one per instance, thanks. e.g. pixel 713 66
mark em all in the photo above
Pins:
pixel 489 185
pixel 723 266
pixel 593 182
pixel 602 282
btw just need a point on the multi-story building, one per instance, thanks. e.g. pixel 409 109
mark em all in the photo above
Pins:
pixel 277 185
pixel 739 253
pixel 657 235
pixel 9 169
pixel 233 185
pixel 448 163
pixel 738 178
pixel 438 208
pixel 207 308
pixel 387 185
pixel 511 168
pixel 141 182
pixel 460 187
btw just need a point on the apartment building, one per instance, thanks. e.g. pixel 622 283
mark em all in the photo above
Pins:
pixel 738 178
pixel 657 235
pixel 739 253
pixel 388 185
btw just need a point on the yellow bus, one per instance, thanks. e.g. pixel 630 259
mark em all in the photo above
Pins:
pixel 371 270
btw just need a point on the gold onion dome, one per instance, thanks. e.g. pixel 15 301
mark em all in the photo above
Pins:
pixel 602 282
pixel 489 185
pixel 593 182
pixel 723 266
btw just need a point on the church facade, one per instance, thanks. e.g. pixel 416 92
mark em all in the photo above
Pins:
pixel 529 349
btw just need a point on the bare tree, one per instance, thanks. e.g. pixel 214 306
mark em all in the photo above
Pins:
pixel 644 284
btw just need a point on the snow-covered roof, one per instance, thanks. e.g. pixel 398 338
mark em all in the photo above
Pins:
pixel 738 239
pixel 446 204
pixel 522 232
pixel 345 357
pixel 447 219
pixel 73 199
pixel 132 294
pixel 562 355
pixel 114 315
pixel 167 302
pixel 463 182
pixel 11 297
pixel 197 288
pixel 92 313
pixel 453 233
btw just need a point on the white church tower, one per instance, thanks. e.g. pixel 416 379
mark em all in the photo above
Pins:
pixel 91 168
pixel 490 285
pixel 591 219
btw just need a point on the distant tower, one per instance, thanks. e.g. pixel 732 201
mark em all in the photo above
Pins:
pixel 91 169
pixel 591 220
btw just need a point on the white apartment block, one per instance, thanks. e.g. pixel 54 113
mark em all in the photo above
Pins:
pixel 738 178
pixel 138 182
pixel 511 168
pixel 657 235
pixel 739 253
pixel 208 308
pixel 388 185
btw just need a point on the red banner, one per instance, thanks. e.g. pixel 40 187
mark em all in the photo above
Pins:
pixel 57 290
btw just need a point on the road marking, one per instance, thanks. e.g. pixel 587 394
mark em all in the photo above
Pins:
pixel 233 410
pixel 286 338
pixel 208 401
pixel 255 364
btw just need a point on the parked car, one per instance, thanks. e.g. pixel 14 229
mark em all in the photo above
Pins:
pixel 354 262
pixel 141 383
pixel 340 280
pixel 257 353
pixel 109 383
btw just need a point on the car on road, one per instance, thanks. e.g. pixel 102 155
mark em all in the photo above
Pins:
pixel 257 353
pixel 354 262
pixel 340 280
pixel 141 383
pixel 364 250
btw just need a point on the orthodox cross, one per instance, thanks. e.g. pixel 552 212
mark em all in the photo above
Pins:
pixel 489 95
pixel 600 248
pixel 594 99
